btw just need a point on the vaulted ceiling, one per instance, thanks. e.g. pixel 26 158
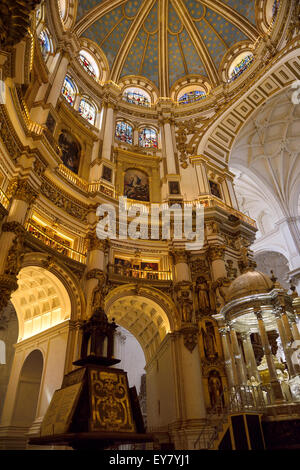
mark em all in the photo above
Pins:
pixel 166 40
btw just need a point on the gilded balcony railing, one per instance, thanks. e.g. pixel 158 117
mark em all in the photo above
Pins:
pixel 61 248
pixel 147 275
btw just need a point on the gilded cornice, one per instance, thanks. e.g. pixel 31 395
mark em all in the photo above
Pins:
pixel 62 200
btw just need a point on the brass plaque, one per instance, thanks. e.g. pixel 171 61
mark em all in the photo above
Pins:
pixel 59 414
pixel 110 403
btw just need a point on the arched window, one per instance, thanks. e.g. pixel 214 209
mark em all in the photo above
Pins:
pixel 136 96
pixel 87 111
pixel 45 44
pixel 239 65
pixel 89 64
pixel 148 138
pixel 69 90
pixel 191 96
pixel 275 8
pixel 124 132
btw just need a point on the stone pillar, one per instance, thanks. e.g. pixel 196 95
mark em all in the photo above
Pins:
pixel 240 366
pixel 216 254
pixel 191 372
pixel 58 79
pixel 286 342
pixel 95 170
pixel 228 357
pixel 12 238
pixel 182 271
pixel 109 132
pixel 250 357
pixel 275 385
pixel 39 114
pixel 169 148
pixel 135 135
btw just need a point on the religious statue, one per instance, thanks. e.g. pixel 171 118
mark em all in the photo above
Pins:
pixel 215 388
pixel 202 294
pixel 100 291
pixel 186 305
pixel 209 341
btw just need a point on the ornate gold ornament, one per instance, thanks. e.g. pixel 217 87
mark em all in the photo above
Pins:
pixel 216 252
pixel 190 338
pixel 23 191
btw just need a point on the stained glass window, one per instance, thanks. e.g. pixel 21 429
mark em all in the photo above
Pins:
pixel 124 132
pixel 68 91
pixel 241 67
pixel 137 97
pixel 148 138
pixel 191 96
pixel 87 111
pixel 44 44
pixel 275 8
pixel 87 65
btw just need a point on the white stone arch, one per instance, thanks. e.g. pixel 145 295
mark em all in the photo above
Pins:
pixel 65 276
pixel 146 312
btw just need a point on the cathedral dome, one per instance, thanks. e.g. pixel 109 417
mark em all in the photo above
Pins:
pixel 171 45
pixel 249 283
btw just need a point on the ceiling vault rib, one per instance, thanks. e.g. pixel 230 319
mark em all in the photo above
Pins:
pixel 197 40
pixel 111 31
pixel 134 28
pixel 216 33
pixel 163 48
pixel 182 55
pixel 144 53
pixel 94 14
pixel 233 17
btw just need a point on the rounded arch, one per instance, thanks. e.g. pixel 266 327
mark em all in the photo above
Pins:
pixel 146 312
pixel 65 276
pixel 273 259
pixel 28 389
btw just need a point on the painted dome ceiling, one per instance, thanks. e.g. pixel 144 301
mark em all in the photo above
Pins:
pixel 166 40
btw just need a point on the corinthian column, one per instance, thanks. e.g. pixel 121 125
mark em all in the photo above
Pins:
pixel 250 357
pixel 275 385
pixel 230 366
pixel 286 341
pixel 239 360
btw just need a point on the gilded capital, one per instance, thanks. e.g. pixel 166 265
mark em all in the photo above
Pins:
pixel 23 191
pixel 180 256
pixel 14 227
pixel 95 243
pixel 216 252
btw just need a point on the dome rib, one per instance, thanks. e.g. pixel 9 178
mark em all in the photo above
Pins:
pixel 133 31
pixel 208 29
pixel 197 41
pixel 234 17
